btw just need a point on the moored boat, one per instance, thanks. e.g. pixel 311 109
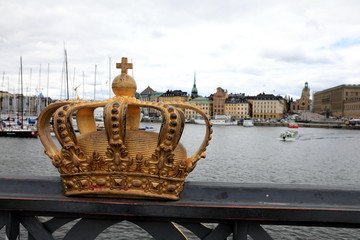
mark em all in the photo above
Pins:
pixel 149 129
pixel 218 120
pixel 14 132
pixel 293 125
pixel 248 123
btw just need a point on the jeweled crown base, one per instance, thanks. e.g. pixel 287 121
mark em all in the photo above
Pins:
pixel 124 185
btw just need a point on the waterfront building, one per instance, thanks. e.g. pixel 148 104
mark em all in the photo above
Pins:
pixel 174 96
pixel 5 101
pixel 201 102
pixel 219 99
pixel 145 95
pixel 268 106
pixel 302 104
pixel 339 101
pixel 11 103
pixel 237 106
pixel 150 95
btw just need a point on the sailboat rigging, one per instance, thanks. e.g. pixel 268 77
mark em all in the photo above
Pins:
pixel 19 132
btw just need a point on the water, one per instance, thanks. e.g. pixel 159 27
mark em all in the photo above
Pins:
pixel 238 154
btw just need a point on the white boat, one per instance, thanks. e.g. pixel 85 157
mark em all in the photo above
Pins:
pixel 289 135
pixel 248 123
pixel 218 120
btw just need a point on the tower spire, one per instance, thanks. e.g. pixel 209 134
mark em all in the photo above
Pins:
pixel 194 80
pixel 194 91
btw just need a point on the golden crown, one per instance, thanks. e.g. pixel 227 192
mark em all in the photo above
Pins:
pixel 120 160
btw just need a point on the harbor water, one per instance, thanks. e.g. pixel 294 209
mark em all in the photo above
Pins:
pixel 236 154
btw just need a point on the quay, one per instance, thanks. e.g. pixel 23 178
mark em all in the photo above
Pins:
pixel 238 209
pixel 310 125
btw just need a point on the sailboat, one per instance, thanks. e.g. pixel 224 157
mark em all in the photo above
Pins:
pixel 19 132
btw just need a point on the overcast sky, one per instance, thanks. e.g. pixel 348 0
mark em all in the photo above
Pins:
pixel 242 46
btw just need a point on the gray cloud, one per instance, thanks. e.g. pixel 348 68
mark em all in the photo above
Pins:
pixel 169 39
pixel 252 71
pixel 296 56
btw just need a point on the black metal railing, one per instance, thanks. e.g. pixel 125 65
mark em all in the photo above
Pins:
pixel 38 205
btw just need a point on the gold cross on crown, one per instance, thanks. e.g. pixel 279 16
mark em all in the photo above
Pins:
pixel 124 65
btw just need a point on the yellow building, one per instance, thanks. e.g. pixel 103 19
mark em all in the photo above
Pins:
pixel 201 102
pixel 268 106
pixel 174 96
pixel 339 101
pixel 237 106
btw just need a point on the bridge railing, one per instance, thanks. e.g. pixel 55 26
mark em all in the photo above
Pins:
pixel 236 210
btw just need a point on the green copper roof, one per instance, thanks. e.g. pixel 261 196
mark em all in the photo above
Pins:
pixel 201 100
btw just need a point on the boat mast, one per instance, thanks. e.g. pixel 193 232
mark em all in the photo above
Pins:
pixel 29 94
pixel 73 84
pixel 47 86
pixel 95 82
pixel 83 86
pixel 67 76
pixel 8 96
pixel 62 80
pixel 109 77
pixel 39 96
pixel 2 94
pixel 21 94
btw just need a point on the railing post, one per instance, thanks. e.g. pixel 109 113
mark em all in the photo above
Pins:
pixel 12 226
pixel 240 231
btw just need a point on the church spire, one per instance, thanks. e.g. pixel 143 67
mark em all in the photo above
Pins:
pixel 194 80
pixel 194 91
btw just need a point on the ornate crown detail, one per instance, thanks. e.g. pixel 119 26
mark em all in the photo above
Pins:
pixel 120 160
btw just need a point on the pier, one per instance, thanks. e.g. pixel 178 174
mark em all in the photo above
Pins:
pixel 309 125
pixel 237 210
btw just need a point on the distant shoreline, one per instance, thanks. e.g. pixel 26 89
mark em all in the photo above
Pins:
pixel 310 125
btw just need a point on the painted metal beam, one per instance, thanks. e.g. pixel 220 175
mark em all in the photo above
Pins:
pixel 239 209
